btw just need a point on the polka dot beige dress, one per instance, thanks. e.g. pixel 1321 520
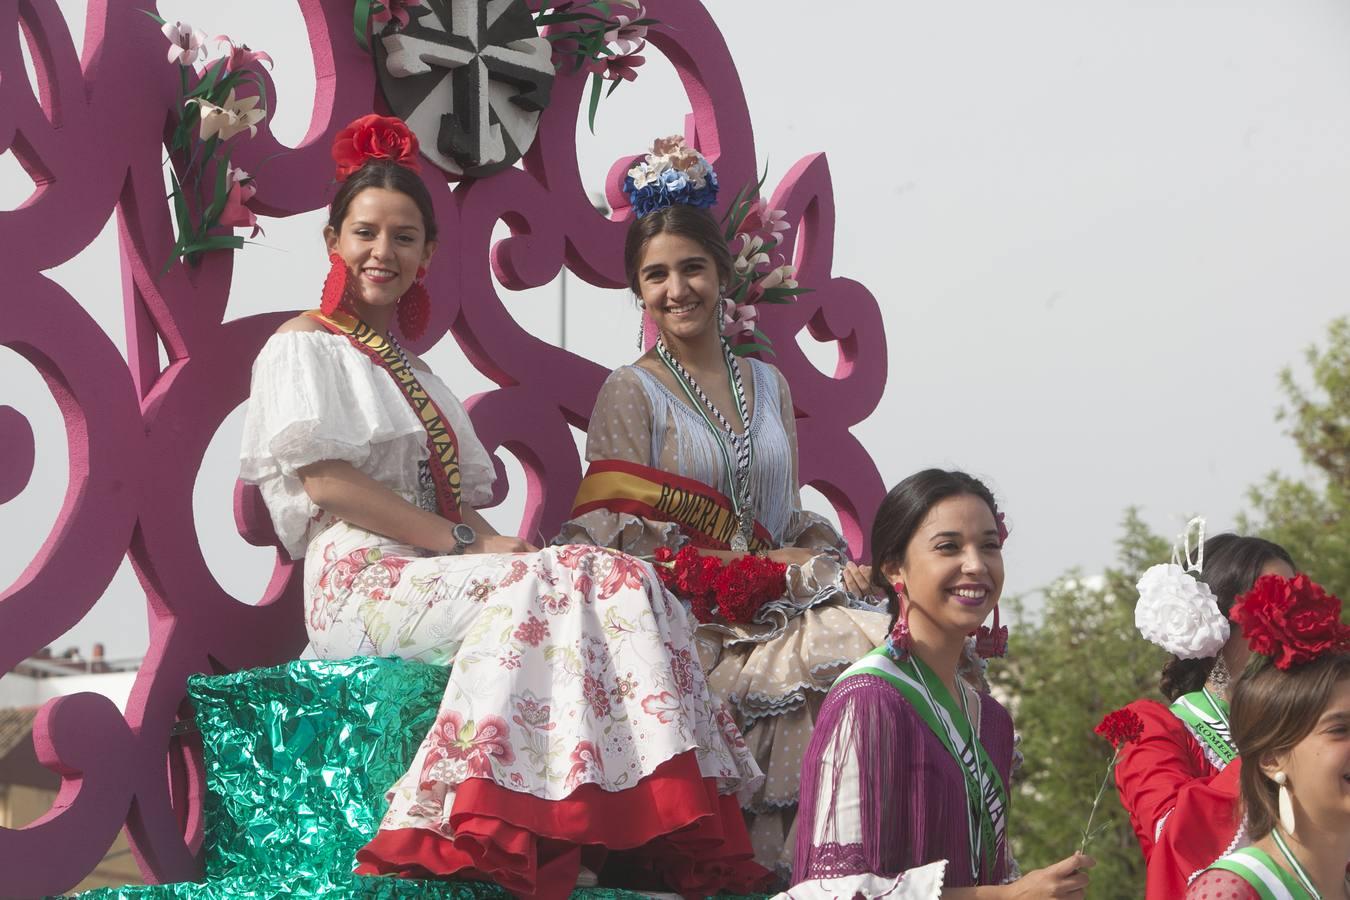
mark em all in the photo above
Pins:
pixel 774 672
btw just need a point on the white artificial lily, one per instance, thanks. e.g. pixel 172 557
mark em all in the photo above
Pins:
pixel 185 42
pixel 230 119
pixel 749 257
pixel 779 277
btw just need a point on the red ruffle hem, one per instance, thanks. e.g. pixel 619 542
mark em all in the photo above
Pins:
pixel 672 831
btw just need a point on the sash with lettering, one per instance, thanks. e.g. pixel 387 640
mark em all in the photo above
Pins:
pixel 1270 880
pixel 441 443
pixel 706 515
pixel 1207 717
pixel 986 796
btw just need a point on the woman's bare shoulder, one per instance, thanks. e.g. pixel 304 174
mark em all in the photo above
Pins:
pixel 300 323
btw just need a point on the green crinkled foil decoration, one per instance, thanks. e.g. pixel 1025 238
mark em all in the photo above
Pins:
pixel 298 758
pixel 358 887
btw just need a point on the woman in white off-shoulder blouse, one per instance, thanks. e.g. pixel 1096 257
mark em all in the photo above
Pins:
pixel 576 716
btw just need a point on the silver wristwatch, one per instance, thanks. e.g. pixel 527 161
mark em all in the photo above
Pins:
pixel 464 535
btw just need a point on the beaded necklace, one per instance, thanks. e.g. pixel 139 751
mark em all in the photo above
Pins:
pixel 738 474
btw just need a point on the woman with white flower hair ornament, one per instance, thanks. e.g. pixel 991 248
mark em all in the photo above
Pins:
pixel 1179 780
pixel 693 450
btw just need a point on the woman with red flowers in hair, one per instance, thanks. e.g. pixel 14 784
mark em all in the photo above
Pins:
pixel 1291 724
pixel 371 473
pixel 1179 780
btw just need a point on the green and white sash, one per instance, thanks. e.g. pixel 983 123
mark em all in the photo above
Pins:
pixel 986 796
pixel 1270 880
pixel 1207 717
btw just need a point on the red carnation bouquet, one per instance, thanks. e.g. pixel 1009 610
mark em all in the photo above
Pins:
pixel 374 137
pixel 1120 728
pixel 734 590
pixel 1290 621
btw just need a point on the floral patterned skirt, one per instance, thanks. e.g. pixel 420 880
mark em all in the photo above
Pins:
pixel 576 718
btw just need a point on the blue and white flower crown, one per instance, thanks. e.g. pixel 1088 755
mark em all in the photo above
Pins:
pixel 671 173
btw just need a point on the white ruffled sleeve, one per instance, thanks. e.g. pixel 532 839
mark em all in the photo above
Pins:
pixel 315 397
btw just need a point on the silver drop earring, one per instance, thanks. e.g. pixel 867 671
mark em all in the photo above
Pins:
pixel 721 314
pixel 1219 676
pixel 642 327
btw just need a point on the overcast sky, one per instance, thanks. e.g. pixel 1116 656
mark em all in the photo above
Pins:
pixel 1097 232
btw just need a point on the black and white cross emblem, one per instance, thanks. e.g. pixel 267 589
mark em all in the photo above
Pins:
pixel 470 77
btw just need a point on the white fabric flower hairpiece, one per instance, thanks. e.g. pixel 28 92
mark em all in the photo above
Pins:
pixel 1178 612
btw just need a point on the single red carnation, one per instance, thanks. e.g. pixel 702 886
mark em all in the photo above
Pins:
pixel 1120 727
pixel 664 564
pixel 1290 620
pixel 374 137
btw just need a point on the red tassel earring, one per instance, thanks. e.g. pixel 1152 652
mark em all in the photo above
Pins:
pixel 898 642
pixel 991 642
pixel 414 308
pixel 334 286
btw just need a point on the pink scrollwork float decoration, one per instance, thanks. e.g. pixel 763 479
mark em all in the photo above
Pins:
pixel 137 431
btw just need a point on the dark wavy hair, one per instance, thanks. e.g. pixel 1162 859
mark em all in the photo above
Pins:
pixel 383 173
pixel 1272 711
pixel 1232 564
pixel 698 225
pixel 903 511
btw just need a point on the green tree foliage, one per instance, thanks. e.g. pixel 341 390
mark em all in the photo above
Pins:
pixel 1082 657
pixel 1311 519
pixel 1078 660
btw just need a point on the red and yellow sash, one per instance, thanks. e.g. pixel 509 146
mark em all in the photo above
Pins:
pixel 706 515
pixel 441 443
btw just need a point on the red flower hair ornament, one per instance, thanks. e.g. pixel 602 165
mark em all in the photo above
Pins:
pixel 1291 621
pixel 374 137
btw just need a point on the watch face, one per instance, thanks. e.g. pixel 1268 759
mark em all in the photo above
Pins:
pixel 464 534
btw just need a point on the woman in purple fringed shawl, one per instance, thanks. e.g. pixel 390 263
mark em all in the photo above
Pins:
pixel 908 765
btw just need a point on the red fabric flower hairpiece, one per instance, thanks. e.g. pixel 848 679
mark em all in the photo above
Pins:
pixel 1290 620
pixel 374 137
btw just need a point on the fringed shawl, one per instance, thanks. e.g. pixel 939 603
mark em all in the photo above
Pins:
pixel 879 792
